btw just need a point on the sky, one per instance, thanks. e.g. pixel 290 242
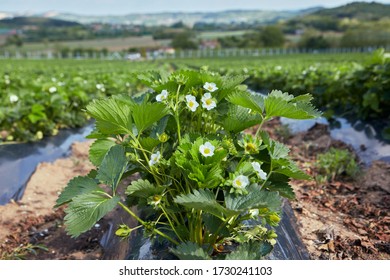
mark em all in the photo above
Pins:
pixel 122 7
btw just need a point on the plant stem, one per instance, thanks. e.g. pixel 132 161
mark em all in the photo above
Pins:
pixel 260 126
pixel 166 236
pixel 215 234
pixel 170 223
pixel 176 108
pixel 127 209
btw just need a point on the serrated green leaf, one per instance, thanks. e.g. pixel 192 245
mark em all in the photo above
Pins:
pixel 151 78
pixel 190 251
pixel 86 209
pixel 148 143
pixel 112 167
pixel 278 150
pixel 95 134
pixel 247 100
pixel 282 104
pixel 112 116
pixel 283 188
pixel 160 127
pixel 250 251
pixel 204 200
pixel 75 187
pixel 147 114
pixel 99 149
pixel 214 224
pixel 290 169
pixel 143 189
pixel 256 198
pixel 229 82
pixel 239 118
pixel 207 176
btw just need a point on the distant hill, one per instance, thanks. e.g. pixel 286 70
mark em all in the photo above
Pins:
pixel 169 18
pixel 19 22
pixel 358 10
pixel 336 19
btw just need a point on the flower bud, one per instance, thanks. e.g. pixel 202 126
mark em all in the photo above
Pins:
pixel 163 137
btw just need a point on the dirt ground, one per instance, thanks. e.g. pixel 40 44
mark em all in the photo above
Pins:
pixel 346 218
pixel 343 219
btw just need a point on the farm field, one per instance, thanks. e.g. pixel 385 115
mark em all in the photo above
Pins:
pixel 36 91
pixel 39 98
pixel 220 34
pixel 111 44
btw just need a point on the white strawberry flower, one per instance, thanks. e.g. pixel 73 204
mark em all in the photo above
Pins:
pixel 52 89
pixel 154 158
pixel 254 213
pixel 208 101
pixel 162 96
pixel 259 171
pixel 207 149
pixel 240 182
pixel 13 98
pixel 211 87
pixel 100 87
pixel 191 102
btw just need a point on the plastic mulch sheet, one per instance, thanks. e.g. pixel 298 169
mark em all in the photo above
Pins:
pixel 19 161
pixel 288 247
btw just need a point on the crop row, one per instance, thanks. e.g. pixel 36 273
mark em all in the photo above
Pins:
pixel 358 88
pixel 38 99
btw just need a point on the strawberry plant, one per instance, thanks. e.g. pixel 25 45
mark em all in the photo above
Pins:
pixel 203 181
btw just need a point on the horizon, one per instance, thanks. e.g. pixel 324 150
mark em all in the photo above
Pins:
pixel 148 7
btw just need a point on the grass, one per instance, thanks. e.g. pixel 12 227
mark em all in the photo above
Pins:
pixel 21 252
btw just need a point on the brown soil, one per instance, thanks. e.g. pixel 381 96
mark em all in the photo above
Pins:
pixel 342 219
pixel 346 218
pixel 34 221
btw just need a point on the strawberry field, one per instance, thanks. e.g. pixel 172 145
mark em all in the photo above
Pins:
pixel 208 103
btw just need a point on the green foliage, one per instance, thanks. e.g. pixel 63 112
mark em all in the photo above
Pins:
pixel 272 36
pixel 239 118
pixel 245 99
pixel 285 105
pixel 184 40
pixel 142 189
pixel 113 166
pixel 76 186
pixel 204 200
pixel 40 98
pixel 112 116
pixel 203 179
pixel 98 150
pixel 86 209
pixel 146 114
pixel 250 251
pixel 313 41
pixel 337 162
pixel 359 89
pixel 190 251
pixel 258 198
pixel 22 251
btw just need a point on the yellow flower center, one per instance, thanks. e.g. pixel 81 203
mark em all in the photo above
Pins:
pixel 250 147
pixel 208 101
pixel 191 104
pixel 238 183
pixel 206 151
